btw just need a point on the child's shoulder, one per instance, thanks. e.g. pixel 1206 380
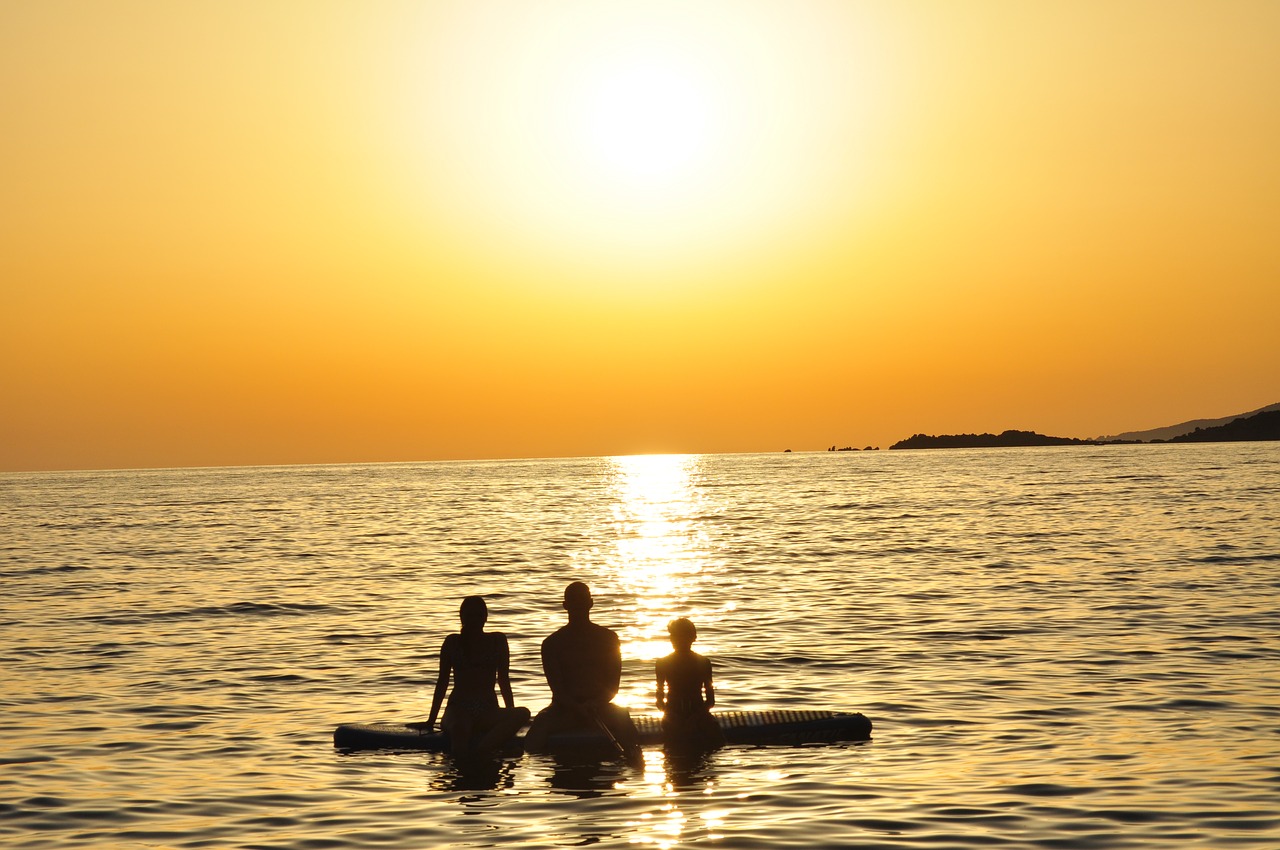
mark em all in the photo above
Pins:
pixel 676 660
pixel 687 658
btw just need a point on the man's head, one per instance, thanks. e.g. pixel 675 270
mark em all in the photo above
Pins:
pixel 577 599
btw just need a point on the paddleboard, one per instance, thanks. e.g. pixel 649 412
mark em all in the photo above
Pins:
pixel 786 726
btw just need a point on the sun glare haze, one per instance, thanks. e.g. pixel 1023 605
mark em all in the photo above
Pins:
pixel 323 232
pixel 633 146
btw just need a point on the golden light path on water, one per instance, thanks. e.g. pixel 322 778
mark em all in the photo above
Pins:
pixel 661 561
pixel 660 556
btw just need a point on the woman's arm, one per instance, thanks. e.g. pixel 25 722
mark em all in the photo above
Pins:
pixel 708 687
pixel 442 679
pixel 504 672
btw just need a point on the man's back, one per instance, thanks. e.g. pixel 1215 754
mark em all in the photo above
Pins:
pixel 583 663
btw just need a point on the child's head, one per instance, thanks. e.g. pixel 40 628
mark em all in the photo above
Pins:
pixel 683 633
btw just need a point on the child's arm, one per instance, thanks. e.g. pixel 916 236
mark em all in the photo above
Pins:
pixel 708 687
pixel 662 684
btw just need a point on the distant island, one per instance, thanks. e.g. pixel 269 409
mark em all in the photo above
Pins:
pixel 1261 425
pixel 1005 439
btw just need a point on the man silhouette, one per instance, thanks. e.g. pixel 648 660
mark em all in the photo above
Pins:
pixel 583 665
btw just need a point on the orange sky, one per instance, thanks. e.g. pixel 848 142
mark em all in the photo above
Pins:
pixel 290 232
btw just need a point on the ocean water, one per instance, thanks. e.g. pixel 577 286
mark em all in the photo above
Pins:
pixel 1060 648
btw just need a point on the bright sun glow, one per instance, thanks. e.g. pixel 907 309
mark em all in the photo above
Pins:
pixel 647 133
pixel 631 143
pixel 644 124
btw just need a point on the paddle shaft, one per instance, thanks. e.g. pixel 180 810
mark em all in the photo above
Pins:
pixel 608 733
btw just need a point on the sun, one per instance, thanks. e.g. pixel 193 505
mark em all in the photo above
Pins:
pixel 644 124
pixel 631 145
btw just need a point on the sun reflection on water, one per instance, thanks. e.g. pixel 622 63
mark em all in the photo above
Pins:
pixel 663 563
pixel 678 790
pixel 660 556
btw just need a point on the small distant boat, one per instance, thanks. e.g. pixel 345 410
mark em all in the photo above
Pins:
pixel 785 727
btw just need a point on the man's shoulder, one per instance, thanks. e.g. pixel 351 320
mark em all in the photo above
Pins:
pixel 602 636
pixel 583 632
pixel 558 636
pixel 604 631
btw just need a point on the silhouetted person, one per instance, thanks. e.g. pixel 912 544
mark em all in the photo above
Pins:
pixel 686 693
pixel 583 665
pixel 477 660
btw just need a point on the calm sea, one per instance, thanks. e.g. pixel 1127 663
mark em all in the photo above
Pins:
pixel 1059 648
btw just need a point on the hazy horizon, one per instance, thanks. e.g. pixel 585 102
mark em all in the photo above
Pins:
pixel 512 458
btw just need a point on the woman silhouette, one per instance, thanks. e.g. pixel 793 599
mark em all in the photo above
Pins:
pixel 476 660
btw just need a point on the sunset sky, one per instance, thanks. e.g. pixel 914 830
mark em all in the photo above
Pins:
pixel 296 232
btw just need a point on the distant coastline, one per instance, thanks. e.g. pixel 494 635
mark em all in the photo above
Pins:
pixel 1260 425
pixel 1005 439
pixel 1263 426
pixel 1168 432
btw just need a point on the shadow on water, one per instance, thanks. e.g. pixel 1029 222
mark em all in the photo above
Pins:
pixel 473 773
pixel 689 771
pixel 585 776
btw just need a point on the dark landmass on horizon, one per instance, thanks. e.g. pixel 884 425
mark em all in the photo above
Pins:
pixel 1168 432
pixel 1005 439
pixel 1263 426
pixel 1259 426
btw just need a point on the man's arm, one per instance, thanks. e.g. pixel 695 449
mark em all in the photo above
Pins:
pixel 551 669
pixel 612 679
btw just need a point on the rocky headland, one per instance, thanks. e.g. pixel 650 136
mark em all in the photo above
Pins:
pixel 1260 425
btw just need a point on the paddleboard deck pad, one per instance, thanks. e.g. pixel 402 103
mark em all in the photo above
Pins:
pixel 787 727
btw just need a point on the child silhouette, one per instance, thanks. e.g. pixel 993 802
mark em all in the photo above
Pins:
pixel 686 693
